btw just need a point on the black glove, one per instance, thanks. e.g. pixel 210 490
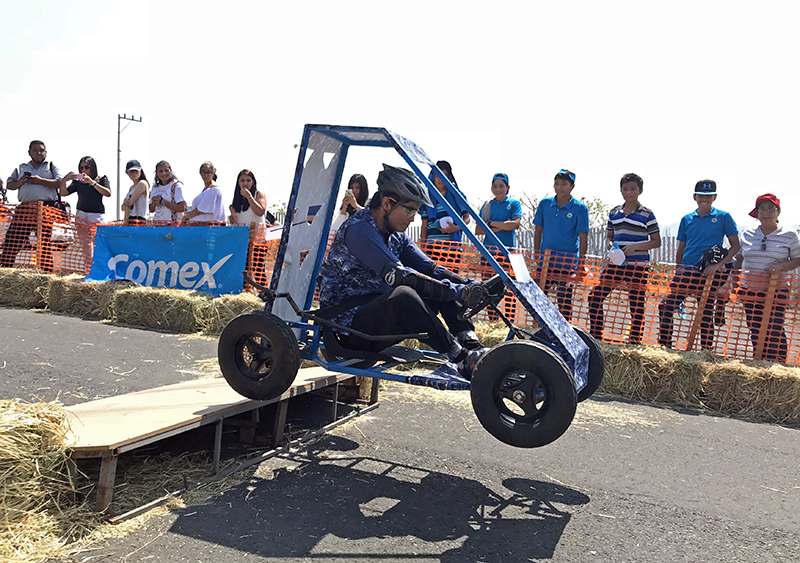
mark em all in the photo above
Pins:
pixel 495 286
pixel 472 295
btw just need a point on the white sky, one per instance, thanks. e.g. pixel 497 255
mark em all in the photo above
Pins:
pixel 674 91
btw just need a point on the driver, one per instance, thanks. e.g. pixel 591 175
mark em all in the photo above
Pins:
pixel 376 280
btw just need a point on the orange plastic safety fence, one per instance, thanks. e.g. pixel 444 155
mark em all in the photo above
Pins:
pixel 753 315
pixel 654 304
pixel 38 236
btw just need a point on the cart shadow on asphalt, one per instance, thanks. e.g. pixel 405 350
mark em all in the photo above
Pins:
pixel 330 502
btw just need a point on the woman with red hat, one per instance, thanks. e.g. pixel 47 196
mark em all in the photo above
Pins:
pixel 767 250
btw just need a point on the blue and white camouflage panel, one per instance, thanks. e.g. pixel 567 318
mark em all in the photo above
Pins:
pixel 344 276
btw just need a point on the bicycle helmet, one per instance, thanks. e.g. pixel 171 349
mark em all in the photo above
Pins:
pixel 403 183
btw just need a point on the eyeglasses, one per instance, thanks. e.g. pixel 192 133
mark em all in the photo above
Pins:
pixel 767 208
pixel 84 167
pixel 204 172
pixel 763 244
pixel 409 211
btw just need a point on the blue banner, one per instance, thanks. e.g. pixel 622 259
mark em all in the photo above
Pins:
pixel 207 259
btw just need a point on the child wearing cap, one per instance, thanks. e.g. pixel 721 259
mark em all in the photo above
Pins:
pixel 633 227
pixel 699 232
pixel 766 250
pixel 502 215
pixel 561 225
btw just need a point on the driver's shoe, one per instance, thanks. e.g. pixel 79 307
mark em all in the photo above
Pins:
pixel 469 340
pixel 467 365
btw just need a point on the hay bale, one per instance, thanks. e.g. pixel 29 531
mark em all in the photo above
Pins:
pixel 213 315
pixel 37 518
pixel 73 296
pixel 654 374
pixel 162 309
pixel 21 287
pixel 755 391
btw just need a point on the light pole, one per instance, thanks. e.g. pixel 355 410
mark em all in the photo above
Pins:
pixel 119 151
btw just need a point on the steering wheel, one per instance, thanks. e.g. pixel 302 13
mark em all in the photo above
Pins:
pixel 493 292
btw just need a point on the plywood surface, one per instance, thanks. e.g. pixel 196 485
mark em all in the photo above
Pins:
pixel 105 424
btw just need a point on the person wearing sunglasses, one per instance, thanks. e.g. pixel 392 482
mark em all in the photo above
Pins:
pixel 377 281
pixel 767 250
pixel 91 188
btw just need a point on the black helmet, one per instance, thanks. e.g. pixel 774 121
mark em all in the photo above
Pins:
pixel 403 183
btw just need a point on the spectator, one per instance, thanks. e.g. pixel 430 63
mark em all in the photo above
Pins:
pixel 502 215
pixel 701 231
pixel 561 225
pixel 355 198
pixel 635 230
pixel 249 204
pixel 135 203
pixel 166 201
pixel 207 207
pixel 436 221
pixel 91 189
pixel 249 208
pixel 37 180
pixel 766 250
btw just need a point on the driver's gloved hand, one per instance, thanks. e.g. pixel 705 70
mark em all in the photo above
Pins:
pixel 495 286
pixel 473 294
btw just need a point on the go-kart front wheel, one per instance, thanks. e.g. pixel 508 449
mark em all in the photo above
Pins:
pixel 258 355
pixel 523 394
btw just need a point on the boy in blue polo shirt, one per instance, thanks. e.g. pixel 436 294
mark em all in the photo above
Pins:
pixel 698 232
pixel 635 230
pixel 502 215
pixel 561 225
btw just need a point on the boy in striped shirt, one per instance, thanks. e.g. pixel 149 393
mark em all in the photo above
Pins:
pixel 635 229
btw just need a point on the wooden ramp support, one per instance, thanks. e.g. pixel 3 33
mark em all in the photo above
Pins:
pixel 108 427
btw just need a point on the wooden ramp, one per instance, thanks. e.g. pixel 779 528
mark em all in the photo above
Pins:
pixel 108 427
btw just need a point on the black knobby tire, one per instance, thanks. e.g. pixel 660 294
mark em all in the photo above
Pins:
pixel 258 355
pixel 522 393
pixel 597 362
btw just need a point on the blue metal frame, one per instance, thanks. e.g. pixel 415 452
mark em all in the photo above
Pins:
pixel 569 346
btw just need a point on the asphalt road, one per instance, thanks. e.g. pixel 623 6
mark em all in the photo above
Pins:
pixel 47 356
pixel 418 479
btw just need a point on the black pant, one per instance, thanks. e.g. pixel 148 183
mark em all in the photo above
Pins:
pixel 776 347
pixel 634 276
pixel 564 289
pixel 684 283
pixel 403 311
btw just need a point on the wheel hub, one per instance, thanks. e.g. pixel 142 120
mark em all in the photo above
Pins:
pixel 518 396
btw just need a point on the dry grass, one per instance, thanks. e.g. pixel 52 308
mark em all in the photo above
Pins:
pixel 24 288
pixel 37 517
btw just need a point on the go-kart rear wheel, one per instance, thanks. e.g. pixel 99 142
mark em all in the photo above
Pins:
pixel 258 355
pixel 523 394
pixel 597 362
